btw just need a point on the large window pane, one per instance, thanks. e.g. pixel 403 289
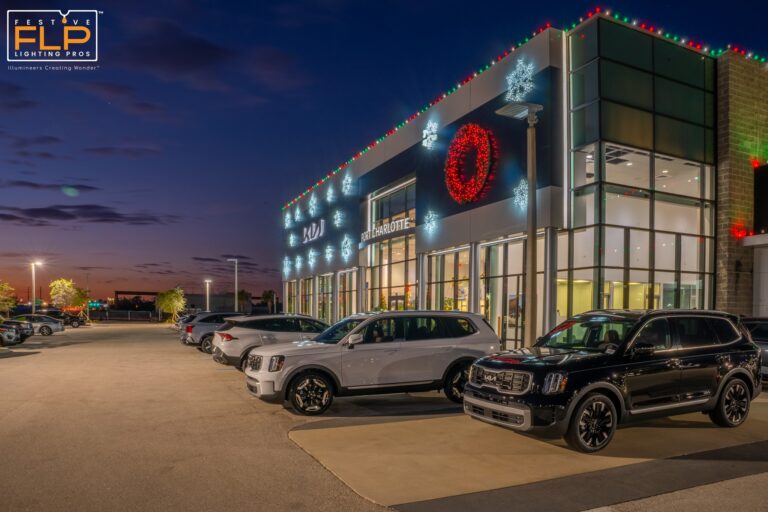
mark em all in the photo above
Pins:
pixel 585 126
pixel 562 297
pixel 584 166
pixel 681 139
pixel 681 101
pixel 627 207
pixel 562 250
pixel 613 288
pixel 584 207
pixel 691 291
pixel 614 247
pixel 583 247
pixel 637 290
pixel 664 290
pixel 639 245
pixel 665 251
pixel 625 45
pixel 692 253
pixel 678 63
pixel 626 125
pixel 515 257
pixel 583 290
pixel 678 176
pixel 627 166
pixel 677 214
pixel 584 85
pixel 626 85
pixel 583 45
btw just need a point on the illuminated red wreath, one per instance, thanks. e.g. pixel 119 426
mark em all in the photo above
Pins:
pixel 469 138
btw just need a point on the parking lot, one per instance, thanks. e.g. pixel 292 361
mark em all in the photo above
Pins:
pixel 123 417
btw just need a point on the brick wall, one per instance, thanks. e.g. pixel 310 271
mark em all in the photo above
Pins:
pixel 742 121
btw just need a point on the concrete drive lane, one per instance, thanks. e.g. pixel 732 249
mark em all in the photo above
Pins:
pixel 124 418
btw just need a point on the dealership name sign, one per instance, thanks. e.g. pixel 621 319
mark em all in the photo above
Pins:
pixel 387 229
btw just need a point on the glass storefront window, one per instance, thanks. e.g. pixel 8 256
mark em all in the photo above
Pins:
pixel 584 206
pixel 626 125
pixel 627 166
pixel 683 177
pixel 664 290
pixel 613 241
pixel 347 293
pixel 639 246
pixel 291 296
pixel 583 247
pixel 585 125
pixel 692 253
pixel 624 44
pixel 691 291
pixel 626 85
pixel 307 296
pixel 449 289
pixel 583 290
pixel 626 207
pixel 325 298
pixel 677 214
pixel 613 288
pixel 392 274
pixel 584 166
pixel 637 289
pixel 398 204
pixel 584 85
pixel 665 252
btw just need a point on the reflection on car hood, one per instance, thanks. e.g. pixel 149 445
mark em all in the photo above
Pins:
pixel 295 347
pixel 542 357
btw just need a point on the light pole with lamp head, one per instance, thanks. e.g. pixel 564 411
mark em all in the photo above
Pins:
pixel 237 309
pixel 522 110
pixel 33 265
pixel 207 294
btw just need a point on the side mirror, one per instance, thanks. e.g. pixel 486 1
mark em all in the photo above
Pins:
pixel 354 339
pixel 643 348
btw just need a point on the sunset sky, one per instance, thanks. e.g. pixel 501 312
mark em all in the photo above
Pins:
pixel 205 117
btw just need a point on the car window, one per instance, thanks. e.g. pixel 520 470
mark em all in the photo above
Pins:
pixel 384 330
pixel 725 331
pixel 457 327
pixel 336 332
pixel 758 330
pixel 423 328
pixel 693 332
pixel 588 332
pixel 311 326
pixel 656 332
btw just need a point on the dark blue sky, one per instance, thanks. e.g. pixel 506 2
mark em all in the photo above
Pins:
pixel 205 117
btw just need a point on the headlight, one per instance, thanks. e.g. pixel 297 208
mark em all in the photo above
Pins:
pixel 276 363
pixel 554 383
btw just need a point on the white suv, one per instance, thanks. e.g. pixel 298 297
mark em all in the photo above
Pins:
pixel 391 352
pixel 238 335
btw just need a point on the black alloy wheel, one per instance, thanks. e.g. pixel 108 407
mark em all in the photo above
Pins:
pixel 75 324
pixel 733 405
pixel 206 344
pixel 592 425
pixel 45 330
pixel 311 394
pixel 455 380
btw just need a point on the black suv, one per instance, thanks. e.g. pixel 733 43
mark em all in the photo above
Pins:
pixel 602 368
pixel 758 329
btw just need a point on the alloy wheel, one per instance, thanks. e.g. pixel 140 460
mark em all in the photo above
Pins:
pixel 596 424
pixel 736 402
pixel 312 394
pixel 458 382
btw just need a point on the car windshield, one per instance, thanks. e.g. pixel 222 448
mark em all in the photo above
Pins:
pixel 589 332
pixel 334 333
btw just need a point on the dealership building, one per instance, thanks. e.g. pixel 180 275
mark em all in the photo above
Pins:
pixel 649 147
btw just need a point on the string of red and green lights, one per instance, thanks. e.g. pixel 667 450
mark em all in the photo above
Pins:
pixel 597 11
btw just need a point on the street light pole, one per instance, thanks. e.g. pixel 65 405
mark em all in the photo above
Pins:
pixel 528 111
pixel 207 294
pixel 237 309
pixel 33 265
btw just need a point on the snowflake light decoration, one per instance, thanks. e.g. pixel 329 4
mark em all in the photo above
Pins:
pixel 288 220
pixel 287 266
pixel 346 185
pixel 520 81
pixel 520 194
pixel 330 194
pixel 329 253
pixel 311 258
pixel 346 248
pixel 338 218
pixel 313 206
pixel 293 240
pixel 299 262
pixel 429 135
pixel 297 217
pixel 430 221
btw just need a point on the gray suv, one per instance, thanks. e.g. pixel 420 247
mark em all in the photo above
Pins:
pixel 199 331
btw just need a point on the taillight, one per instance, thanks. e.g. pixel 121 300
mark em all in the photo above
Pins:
pixel 188 329
pixel 226 337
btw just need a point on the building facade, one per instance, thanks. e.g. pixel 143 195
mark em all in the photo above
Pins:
pixel 639 182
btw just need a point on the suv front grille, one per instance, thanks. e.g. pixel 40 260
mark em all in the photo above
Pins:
pixel 509 381
pixel 254 362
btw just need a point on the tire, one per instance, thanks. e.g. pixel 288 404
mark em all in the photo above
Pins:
pixel 310 394
pixel 592 425
pixel 455 380
pixel 206 344
pixel 733 404
pixel 75 324
pixel 45 330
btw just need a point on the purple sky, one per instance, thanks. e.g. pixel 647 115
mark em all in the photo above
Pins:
pixel 205 117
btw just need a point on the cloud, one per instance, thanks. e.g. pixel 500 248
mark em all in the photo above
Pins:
pixel 16 255
pixel 20 141
pixel 165 50
pixel 127 151
pixel 206 260
pixel 90 213
pixel 238 256
pixel 123 97
pixel 43 155
pixel 13 97
pixel 87 269
pixel 64 187
pixel 274 68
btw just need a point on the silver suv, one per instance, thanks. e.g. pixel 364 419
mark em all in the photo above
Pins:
pixel 389 352
pixel 199 331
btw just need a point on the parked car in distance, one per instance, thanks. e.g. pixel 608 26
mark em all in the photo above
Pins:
pixel 71 320
pixel 42 324
pixel 183 319
pixel 604 368
pixel 24 329
pixel 758 329
pixel 199 330
pixel 390 352
pixel 238 336
pixel 8 335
